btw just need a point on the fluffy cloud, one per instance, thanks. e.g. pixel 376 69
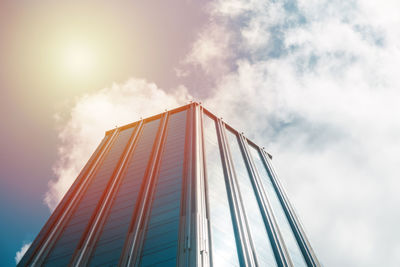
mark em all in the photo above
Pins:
pixel 92 114
pixel 21 252
pixel 210 51
pixel 317 82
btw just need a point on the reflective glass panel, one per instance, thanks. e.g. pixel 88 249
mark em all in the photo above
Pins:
pixel 161 239
pixel 66 244
pixel 223 242
pixel 258 232
pixel 280 216
pixel 108 248
pixel 63 202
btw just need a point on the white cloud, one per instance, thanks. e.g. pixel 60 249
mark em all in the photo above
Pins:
pixel 210 51
pixel 21 252
pixel 317 82
pixel 95 113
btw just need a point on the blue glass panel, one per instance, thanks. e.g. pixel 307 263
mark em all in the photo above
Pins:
pixel 259 235
pixel 280 216
pixel 108 247
pixel 66 244
pixel 161 239
pixel 223 244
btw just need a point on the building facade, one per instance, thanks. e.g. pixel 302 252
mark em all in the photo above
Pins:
pixel 181 188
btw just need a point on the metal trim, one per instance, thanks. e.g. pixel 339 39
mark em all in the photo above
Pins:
pixel 57 229
pixel 185 247
pixel 205 177
pixel 278 245
pixel 133 242
pixel 294 221
pixel 238 230
pixel 61 206
pixel 200 216
pixel 89 237
pixel 236 194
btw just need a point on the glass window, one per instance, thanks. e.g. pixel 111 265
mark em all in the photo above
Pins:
pixel 161 239
pixel 223 241
pixel 63 204
pixel 65 246
pixel 108 247
pixel 280 216
pixel 259 235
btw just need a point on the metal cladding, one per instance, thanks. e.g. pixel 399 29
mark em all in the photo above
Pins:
pixel 181 188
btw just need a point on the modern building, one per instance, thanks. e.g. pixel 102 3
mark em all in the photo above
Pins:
pixel 181 188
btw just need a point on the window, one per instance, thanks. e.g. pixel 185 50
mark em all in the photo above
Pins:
pixel 258 232
pixel 280 216
pixel 223 243
pixel 63 249
pixel 161 240
pixel 108 247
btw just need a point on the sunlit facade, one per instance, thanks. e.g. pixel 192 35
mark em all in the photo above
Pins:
pixel 181 188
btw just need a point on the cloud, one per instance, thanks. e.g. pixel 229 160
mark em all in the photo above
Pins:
pixel 21 252
pixel 82 129
pixel 317 82
pixel 209 51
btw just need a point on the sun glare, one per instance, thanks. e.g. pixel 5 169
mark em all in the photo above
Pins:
pixel 79 59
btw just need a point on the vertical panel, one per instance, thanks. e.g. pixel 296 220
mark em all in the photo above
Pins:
pixel 43 234
pixel 258 231
pixel 223 241
pixel 109 245
pixel 199 239
pixel 280 216
pixel 66 244
pixel 161 239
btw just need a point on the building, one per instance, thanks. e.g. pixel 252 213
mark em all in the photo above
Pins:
pixel 181 188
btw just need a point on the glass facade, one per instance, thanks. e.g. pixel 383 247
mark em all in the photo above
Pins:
pixel 66 244
pixel 223 241
pixel 280 216
pixel 65 200
pixel 161 240
pixel 109 246
pixel 177 189
pixel 258 232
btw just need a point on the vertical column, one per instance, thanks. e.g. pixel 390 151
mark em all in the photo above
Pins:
pixel 109 242
pixel 278 245
pixel 70 205
pixel 281 220
pixel 186 248
pixel 160 243
pixel 225 244
pixel 252 206
pixel 295 224
pixel 133 242
pixel 66 200
pixel 89 204
pixel 86 244
pixel 200 237
pixel 240 217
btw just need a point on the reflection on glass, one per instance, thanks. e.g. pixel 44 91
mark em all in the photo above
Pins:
pixel 264 253
pixel 280 216
pixel 223 244
pixel 66 244
pixel 109 245
pixel 161 240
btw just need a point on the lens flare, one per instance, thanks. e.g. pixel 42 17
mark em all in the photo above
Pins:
pixel 79 59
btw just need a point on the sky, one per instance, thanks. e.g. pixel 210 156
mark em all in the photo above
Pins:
pixel 315 82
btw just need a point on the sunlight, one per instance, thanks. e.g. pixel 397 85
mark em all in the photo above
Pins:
pixel 79 59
